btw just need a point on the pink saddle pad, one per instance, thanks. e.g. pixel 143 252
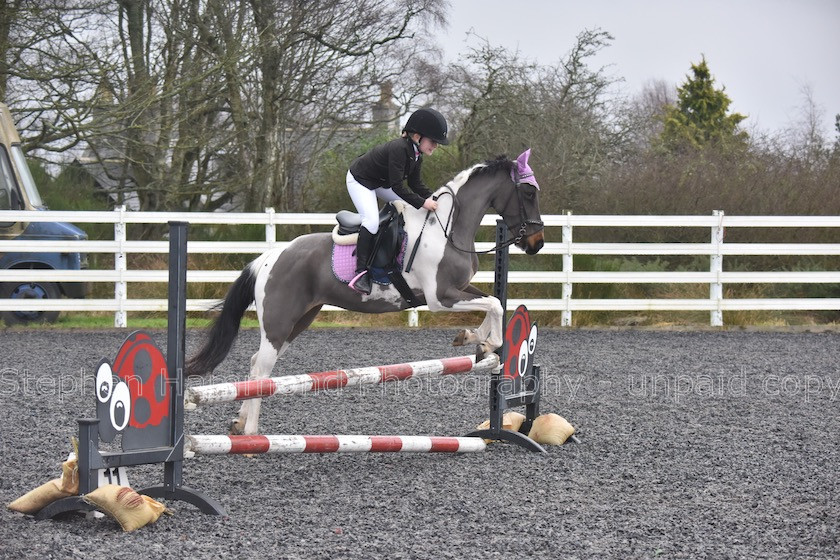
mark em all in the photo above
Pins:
pixel 344 264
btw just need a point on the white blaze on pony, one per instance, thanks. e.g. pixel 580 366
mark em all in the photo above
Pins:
pixel 289 287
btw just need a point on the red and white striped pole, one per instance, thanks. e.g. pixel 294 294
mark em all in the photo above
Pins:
pixel 259 444
pixel 291 384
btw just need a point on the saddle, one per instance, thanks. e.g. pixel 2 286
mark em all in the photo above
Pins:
pixel 388 240
pixel 388 248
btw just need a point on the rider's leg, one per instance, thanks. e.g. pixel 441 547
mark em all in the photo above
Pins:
pixel 361 282
pixel 388 195
pixel 365 201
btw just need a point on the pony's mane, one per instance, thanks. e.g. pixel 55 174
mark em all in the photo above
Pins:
pixel 501 162
pixel 490 166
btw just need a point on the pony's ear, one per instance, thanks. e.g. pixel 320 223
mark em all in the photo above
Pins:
pixel 526 175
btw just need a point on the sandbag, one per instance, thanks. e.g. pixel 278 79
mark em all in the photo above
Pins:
pixel 70 475
pixel 510 421
pixel 130 509
pixel 35 500
pixel 551 429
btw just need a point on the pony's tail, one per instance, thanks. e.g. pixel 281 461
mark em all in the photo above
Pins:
pixel 224 329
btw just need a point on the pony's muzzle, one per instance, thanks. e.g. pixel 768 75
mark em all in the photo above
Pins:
pixel 533 243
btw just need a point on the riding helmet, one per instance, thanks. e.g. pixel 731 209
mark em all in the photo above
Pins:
pixel 429 123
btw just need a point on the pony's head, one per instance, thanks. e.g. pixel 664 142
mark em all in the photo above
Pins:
pixel 519 206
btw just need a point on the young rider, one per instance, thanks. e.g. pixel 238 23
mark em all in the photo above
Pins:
pixel 381 173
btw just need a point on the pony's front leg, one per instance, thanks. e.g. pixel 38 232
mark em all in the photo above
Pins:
pixel 488 336
pixel 476 336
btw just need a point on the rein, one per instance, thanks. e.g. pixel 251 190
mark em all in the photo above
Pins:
pixel 448 234
pixel 523 225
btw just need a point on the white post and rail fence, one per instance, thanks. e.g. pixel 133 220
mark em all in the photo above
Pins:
pixel 559 235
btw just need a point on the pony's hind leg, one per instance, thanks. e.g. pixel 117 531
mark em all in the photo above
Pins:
pixel 262 362
pixel 261 365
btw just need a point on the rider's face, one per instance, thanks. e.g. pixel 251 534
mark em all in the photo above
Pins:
pixel 427 146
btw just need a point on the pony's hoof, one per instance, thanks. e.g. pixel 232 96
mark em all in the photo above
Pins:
pixel 482 351
pixel 460 339
pixel 236 427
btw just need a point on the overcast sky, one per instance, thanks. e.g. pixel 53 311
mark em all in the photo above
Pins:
pixel 766 53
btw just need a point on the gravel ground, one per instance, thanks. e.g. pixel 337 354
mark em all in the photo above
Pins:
pixel 706 444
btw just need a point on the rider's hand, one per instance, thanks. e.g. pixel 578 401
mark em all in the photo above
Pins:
pixel 430 205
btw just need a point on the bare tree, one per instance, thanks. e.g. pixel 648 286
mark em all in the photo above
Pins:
pixel 207 101
pixel 320 68
pixel 48 66
pixel 562 112
pixel 646 112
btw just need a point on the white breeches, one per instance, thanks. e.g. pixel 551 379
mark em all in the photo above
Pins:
pixel 366 203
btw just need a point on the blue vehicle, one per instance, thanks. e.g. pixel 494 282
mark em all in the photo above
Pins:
pixel 19 192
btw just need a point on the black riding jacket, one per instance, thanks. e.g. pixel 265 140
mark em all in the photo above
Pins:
pixel 388 165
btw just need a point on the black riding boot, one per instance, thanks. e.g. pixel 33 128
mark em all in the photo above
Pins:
pixel 363 249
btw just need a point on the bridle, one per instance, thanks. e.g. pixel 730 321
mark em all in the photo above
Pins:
pixel 520 229
pixel 524 221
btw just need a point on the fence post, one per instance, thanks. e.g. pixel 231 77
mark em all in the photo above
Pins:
pixel 566 314
pixel 716 267
pixel 413 318
pixel 120 266
pixel 270 228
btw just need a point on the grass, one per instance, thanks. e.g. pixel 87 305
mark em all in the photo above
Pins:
pixel 83 321
pixel 546 319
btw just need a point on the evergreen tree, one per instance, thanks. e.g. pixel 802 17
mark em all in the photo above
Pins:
pixel 700 117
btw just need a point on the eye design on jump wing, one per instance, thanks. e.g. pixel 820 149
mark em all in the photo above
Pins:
pixel 104 382
pixel 526 350
pixel 120 406
pixel 522 362
pixel 532 339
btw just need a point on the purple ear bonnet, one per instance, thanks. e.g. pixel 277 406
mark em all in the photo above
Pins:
pixel 523 170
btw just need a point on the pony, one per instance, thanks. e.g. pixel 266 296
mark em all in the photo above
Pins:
pixel 288 286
